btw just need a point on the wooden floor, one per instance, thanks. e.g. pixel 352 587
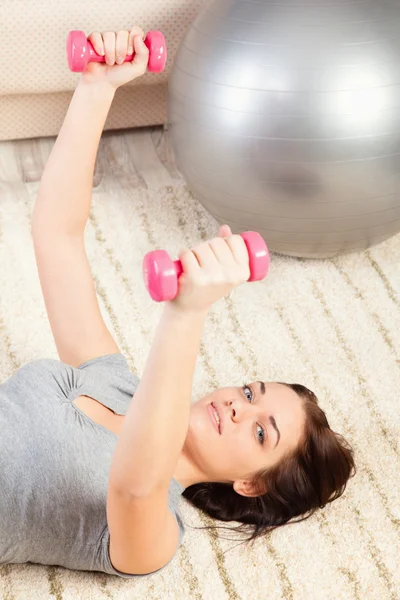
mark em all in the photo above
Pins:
pixel 145 154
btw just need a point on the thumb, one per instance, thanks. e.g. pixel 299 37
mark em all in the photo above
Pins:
pixel 225 231
pixel 141 56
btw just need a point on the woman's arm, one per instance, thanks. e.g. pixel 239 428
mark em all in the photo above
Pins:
pixel 63 203
pixel 58 223
pixel 143 532
pixel 65 191
pixel 155 426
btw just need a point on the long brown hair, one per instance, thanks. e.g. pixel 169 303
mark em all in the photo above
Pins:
pixel 308 478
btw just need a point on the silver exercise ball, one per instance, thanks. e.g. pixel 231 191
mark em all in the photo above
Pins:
pixel 285 119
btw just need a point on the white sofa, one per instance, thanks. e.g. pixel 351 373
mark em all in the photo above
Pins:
pixel 35 83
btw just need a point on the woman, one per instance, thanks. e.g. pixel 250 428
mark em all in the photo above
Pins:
pixel 93 462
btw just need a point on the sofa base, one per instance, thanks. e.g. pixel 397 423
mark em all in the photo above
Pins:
pixel 41 115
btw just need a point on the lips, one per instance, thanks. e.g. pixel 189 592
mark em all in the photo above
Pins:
pixel 211 411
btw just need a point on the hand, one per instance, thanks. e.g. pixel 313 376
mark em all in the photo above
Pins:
pixel 211 270
pixel 115 46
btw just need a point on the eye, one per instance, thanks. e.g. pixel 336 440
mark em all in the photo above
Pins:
pixel 248 392
pixel 261 435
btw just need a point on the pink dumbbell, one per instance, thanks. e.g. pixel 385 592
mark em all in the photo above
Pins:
pixel 161 273
pixel 80 51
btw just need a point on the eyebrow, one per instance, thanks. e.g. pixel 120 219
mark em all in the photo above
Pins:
pixel 271 419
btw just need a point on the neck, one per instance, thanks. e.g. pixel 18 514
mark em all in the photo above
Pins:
pixel 186 472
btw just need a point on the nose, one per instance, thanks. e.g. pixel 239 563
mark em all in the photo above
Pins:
pixel 239 411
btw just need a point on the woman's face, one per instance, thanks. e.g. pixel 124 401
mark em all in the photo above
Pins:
pixel 255 426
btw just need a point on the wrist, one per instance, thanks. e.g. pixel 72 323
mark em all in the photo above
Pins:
pixel 97 90
pixel 173 310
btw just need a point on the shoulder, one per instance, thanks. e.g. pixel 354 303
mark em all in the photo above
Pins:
pixel 105 364
pixel 110 367
pixel 116 361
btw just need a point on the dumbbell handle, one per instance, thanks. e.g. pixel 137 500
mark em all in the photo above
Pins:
pixel 177 268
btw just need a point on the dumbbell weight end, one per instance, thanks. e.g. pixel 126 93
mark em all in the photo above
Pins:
pixel 161 275
pixel 259 258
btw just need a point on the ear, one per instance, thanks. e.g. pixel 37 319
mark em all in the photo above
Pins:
pixel 247 488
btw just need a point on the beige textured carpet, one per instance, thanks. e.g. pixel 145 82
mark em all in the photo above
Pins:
pixel 333 325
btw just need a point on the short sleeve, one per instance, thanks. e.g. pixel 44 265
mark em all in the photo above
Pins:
pixel 174 498
pixel 115 360
pixel 107 379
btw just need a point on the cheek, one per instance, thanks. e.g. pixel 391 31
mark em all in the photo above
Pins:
pixel 249 452
pixel 242 448
pixel 196 418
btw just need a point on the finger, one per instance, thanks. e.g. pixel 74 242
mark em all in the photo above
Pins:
pixel 225 231
pixel 141 58
pixel 134 31
pixel 238 249
pixel 96 40
pixel 109 38
pixel 222 251
pixel 189 261
pixel 121 46
pixel 205 255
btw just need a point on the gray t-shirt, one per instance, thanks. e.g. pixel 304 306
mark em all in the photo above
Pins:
pixel 55 463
